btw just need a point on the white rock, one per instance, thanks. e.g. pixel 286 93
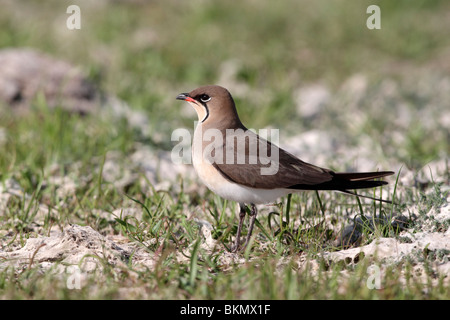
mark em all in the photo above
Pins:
pixel 311 100
pixel 76 245
pixel 311 145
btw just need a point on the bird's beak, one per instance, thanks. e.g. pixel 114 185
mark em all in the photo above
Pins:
pixel 185 97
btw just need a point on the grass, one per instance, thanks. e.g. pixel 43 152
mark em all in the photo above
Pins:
pixel 146 54
pixel 164 228
pixel 273 273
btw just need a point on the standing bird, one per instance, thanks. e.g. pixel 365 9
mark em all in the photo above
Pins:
pixel 239 165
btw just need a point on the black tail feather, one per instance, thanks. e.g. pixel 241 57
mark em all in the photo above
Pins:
pixel 345 181
pixel 348 180
pixel 361 176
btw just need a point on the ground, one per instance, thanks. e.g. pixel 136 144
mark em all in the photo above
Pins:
pixel 93 206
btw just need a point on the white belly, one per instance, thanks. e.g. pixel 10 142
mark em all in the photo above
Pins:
pixel 217 183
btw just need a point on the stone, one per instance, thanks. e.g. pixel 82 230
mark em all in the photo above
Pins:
pixel 26 73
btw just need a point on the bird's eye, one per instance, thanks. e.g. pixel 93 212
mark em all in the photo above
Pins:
pixel 205 98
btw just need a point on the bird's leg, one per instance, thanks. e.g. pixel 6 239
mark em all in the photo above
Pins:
pixel 253 213
pixel 242 212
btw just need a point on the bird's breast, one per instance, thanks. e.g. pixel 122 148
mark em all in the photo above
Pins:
pixel 216 182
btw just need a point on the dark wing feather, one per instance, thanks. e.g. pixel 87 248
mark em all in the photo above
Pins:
pixel 288 171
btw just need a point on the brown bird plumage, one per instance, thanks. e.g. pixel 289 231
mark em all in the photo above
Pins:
pixel 243 182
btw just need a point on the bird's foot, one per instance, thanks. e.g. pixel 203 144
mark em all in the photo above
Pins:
pixel 236 246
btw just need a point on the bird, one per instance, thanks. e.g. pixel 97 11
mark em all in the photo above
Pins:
pixel 239 165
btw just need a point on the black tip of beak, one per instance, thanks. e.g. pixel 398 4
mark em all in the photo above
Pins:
pixel 182 96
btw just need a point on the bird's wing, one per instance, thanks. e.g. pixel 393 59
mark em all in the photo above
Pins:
pixel 258 163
